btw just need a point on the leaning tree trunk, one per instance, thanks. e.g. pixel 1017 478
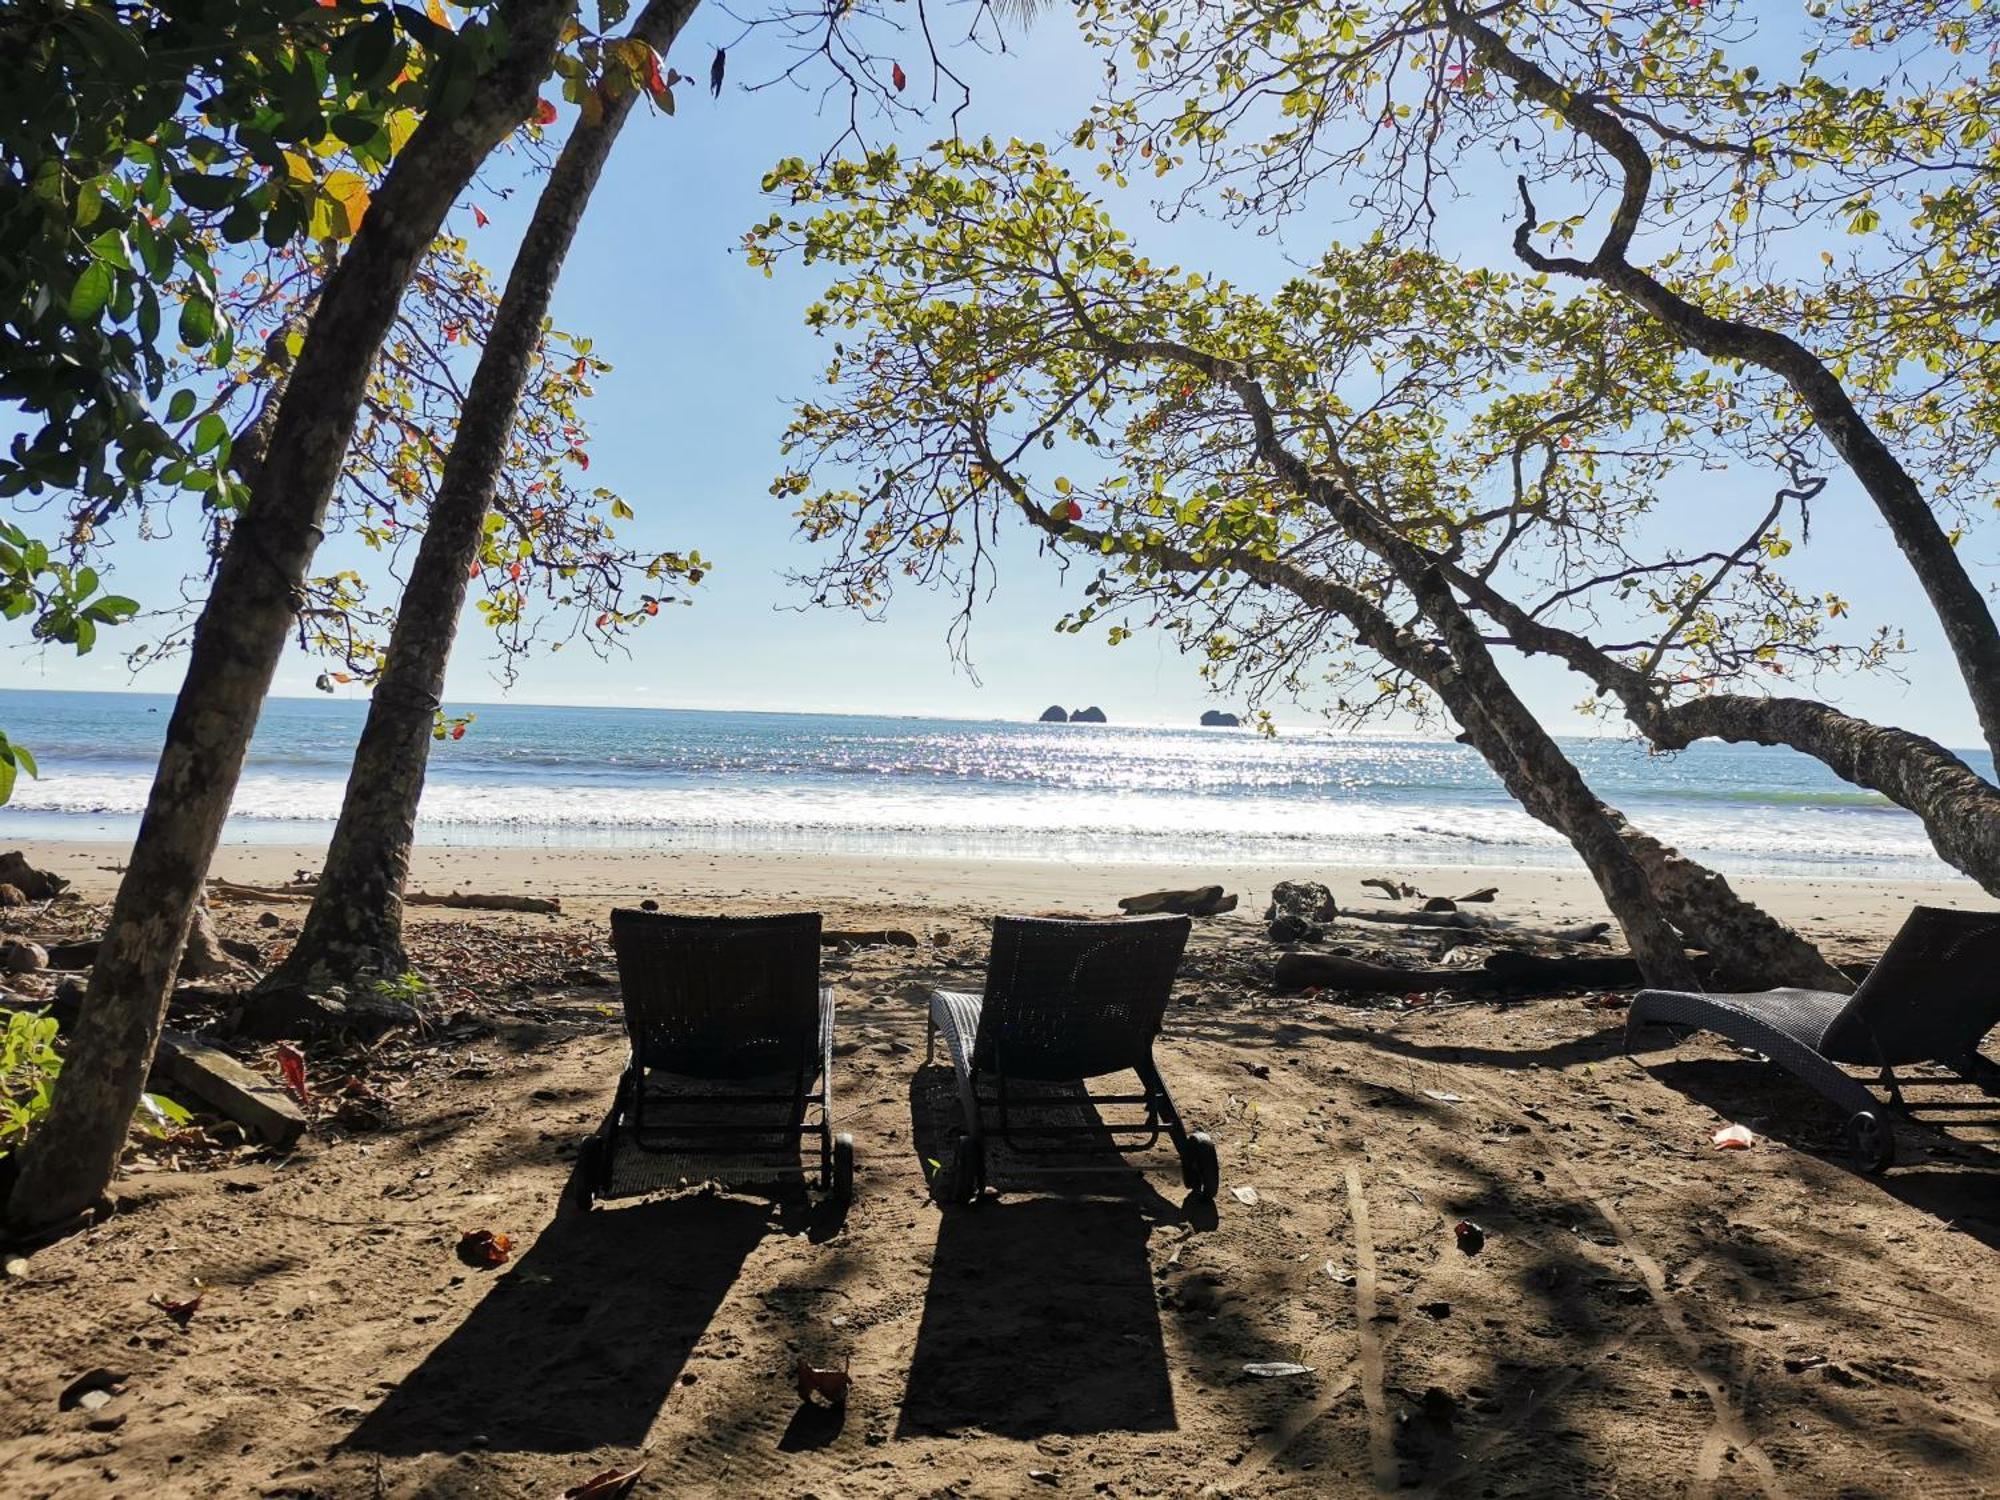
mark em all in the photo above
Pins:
pixel 1959 602
pixel 1545 781
pixel 355 927
pixel 66 1165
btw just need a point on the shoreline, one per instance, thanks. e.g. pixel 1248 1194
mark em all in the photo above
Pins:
pixel 590 882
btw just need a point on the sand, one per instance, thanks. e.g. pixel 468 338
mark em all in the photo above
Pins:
pixel 591 881
pixel 1647 1315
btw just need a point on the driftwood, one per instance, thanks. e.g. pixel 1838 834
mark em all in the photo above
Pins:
pixel 229 890
pixel 207 955
pixel 1464 921
pixel 1501 971
pixel 469 901
pixel 888 937
pixel 191 1067
pixel 1202 901
pixel 1394 890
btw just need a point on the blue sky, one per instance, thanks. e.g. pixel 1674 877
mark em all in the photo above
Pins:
pixel 709 354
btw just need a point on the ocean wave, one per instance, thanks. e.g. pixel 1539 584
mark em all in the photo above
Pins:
pixel 1184 826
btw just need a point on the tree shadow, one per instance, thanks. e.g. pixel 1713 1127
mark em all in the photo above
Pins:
pixel 1040 1317
pixel 1960 1186
pixel 576 1345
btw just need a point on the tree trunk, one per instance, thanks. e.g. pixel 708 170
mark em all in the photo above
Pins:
pixel 355 927
pixel 1959 808
pixel 66 1165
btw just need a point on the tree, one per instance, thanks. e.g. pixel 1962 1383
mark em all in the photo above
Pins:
pixel 1702 194
pixel 354 928
pixel 1253 501
pixel 486 82
pixel 116 194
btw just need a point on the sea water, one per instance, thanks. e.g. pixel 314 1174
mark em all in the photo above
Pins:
pixel 835 783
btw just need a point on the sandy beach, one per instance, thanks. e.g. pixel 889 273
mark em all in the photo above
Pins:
pixel 1646 1315
pixel 1847 914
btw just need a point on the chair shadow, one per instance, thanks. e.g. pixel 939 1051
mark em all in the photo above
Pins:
pixel 577 1345
pixel 1041 1316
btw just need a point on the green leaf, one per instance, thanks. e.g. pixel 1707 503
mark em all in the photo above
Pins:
pixel 181 406
pixel 197 322
pixel 91 292
pixel 207 193
pixel 209 432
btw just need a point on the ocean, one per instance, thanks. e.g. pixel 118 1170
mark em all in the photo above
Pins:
pixel 835 783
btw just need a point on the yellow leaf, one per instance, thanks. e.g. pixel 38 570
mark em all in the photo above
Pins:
pixel 435 10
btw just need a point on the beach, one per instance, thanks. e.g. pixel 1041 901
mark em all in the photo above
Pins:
pixel 1853 916
pixel 1645 1314
pixel 1641 1312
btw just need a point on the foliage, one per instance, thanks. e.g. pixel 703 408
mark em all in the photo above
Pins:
pixel 136 138
pixel 1822 179
pixel 29 1064
pixel 551 565
pixel 1013 352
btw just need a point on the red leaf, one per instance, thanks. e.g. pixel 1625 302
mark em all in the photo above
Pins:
pixel 603 620
pixel 831 1385
pixel 479 218
pixel 482 1247
pixel 180 1311
pixel 898 77
pixel 655 84
pixel 545 112
pixel 292 1064
pixel 458 731
pixel 514 571
pixel 652 606
pixel 604 1486
pixel 472 570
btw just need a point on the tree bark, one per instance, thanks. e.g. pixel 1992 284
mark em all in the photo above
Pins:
pixel 1960 809
pixel 1960 606
pixel 355 927
pixel 66 1165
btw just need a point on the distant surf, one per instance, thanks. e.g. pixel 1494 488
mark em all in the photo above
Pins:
pixel 826 783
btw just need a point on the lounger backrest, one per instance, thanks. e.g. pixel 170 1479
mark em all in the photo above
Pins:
pixel 1933 994
pixel 719 997
pixel 1076 999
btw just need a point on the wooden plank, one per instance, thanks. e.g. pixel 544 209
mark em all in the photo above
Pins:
pixel 218 1080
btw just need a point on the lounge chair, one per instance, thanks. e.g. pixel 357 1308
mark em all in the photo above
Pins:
pixel 1064 1002
pixel 1932 997
pixel 734 1001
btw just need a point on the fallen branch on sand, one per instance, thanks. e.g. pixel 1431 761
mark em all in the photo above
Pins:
pixel 1501 971
pixel 229 890
pixel 834 937
pixel 1586 932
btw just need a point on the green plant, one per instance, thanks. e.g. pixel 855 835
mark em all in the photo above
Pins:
pixel 29 1064
pixel 411 988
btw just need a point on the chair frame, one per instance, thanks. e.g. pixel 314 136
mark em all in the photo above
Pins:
pixel 691 1132
pixel 1856 1030
pixel 981 1056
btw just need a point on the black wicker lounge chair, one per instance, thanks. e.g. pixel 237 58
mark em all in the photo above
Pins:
pixel 1064 1002
pixel 734 1001
pixel 1932 997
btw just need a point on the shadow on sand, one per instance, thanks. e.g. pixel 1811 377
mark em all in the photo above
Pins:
pixel 1041 1315
pixel 575 1346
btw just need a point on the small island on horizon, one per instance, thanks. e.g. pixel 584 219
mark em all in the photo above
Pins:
pixel 1055 713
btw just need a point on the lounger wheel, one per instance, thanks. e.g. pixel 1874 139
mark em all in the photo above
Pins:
pixel 1201 1171
pixel 1870 1140
pixel 588 1176
pixel 962 1173
pixel 841 1187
